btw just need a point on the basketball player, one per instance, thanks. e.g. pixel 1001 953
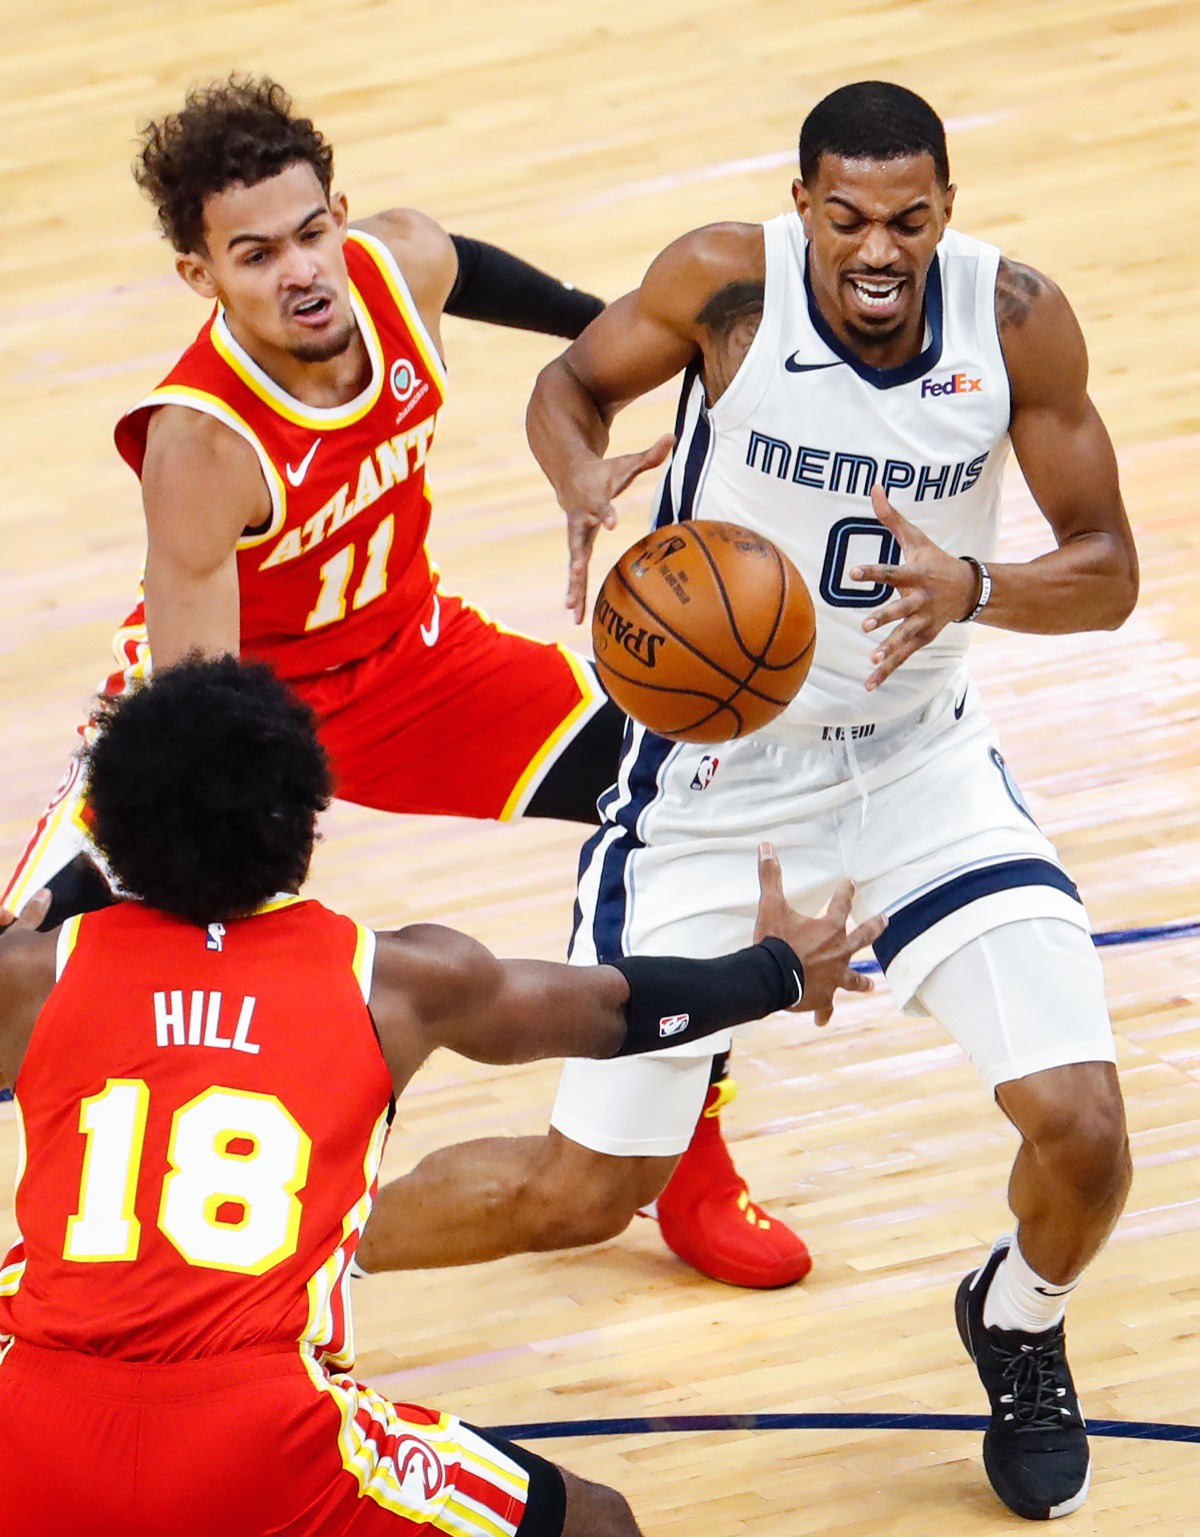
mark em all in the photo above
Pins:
pixel 854 372
pixel 282 463
pixel 198 1159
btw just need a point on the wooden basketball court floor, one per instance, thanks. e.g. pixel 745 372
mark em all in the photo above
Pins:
pixel 585 138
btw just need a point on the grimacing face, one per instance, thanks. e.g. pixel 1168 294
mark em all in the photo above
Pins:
pixel 873 227
pixel 274 257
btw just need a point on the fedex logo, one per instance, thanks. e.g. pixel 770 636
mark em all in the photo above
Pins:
pixel 958 384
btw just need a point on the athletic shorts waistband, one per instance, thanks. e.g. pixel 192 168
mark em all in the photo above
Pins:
pixel 149 1380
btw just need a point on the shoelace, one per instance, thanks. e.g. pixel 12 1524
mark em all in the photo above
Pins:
pixel 1037 1394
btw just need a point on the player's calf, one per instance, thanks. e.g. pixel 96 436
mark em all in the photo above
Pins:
pixel 595 1510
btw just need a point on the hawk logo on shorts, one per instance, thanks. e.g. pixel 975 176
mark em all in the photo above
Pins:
pixel 672 1024
pixel 418 1468
pixel 705 772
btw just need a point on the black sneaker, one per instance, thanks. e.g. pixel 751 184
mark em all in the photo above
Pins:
pixel 1035 1449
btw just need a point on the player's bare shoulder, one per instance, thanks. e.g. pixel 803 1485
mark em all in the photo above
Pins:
pixel 1040 336
pixel 423 251
pixel 720 270
pixel 199 471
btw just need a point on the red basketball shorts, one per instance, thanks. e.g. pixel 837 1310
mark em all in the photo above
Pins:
pixel 248 1445
pixel 456 716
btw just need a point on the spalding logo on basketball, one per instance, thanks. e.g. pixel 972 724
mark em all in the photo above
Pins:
pixel 703 631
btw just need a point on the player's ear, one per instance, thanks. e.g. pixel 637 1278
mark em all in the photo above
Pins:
pixel 948 201
pixel 802 200
pixel 340 210
pixel 194 271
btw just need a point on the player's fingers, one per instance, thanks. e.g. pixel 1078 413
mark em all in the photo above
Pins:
pixel 885 576
pixel 823 1016
pixel 898 647
pixel 770 874
pixel 867 933
pixel 895 521
pixel 627 467
pixel 894 612
pixel 839 903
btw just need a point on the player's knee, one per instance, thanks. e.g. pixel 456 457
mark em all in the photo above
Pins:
pixel 577 1196
pixel 1079 1132
pixel 595 1510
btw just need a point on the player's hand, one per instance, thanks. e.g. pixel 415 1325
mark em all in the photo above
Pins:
pixel 932 589
pixel 588 504
pixel 31 914
pixel 824 945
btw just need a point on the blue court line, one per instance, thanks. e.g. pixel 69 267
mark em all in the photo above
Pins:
pixel 1187 928
pixel 679 1424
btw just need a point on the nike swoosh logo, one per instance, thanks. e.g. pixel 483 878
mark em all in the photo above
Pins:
pixel 806 368
pixel 1046 1291
pixel 429 635
pixel 960 707
pixel 296 476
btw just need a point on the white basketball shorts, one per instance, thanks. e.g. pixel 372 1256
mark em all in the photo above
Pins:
pixel 923 815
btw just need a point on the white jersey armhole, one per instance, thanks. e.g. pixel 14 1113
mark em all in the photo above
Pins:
pixel 753 377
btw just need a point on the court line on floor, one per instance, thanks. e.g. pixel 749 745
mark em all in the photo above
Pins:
pixel 1187 928
pixel 682 1424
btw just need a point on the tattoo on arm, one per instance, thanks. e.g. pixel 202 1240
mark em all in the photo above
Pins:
pixel 1017 290
pixel 732 306
pixel 732 317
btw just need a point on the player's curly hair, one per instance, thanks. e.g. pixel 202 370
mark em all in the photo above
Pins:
pixel 236 130
pixel 204 786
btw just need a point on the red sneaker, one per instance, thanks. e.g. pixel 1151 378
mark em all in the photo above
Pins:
pixel 708 1219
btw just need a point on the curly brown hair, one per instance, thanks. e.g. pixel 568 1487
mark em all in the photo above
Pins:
pixel 236 130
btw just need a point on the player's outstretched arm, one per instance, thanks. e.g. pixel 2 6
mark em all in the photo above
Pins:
pixel 455 275
pixel 202 487
pixel 436 987
pixel 638 343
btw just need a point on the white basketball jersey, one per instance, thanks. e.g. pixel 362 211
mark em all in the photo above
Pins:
pixel 805 430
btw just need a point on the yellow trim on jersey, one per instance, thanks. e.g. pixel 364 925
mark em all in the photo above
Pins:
pixel 277 904
pixel 213 405
pixel 68 938
pixel 27 877
pixel 389 269
pixel 451 1442
pixel 334 1273
pixel 295 411
pixel 589 697
pixel 364 960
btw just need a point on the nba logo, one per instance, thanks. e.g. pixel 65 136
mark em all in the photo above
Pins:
pixel 705 772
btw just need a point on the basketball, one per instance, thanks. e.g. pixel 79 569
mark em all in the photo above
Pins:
pixel 703 631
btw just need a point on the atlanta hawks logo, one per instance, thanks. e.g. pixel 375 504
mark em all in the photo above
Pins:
pixel 403 379
pixel 418 1467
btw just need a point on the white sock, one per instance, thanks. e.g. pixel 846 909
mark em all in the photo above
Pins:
pixel 1019 1298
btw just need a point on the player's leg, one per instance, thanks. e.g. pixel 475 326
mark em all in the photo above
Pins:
pixel 497 1196
pixel 1027 1003
pixel 987 933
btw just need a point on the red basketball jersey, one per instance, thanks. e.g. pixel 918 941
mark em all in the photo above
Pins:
pixel 202 1115
pixel 341 567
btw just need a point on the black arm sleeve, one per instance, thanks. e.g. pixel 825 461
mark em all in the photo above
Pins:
pixel 492 285
pixel 673 1000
